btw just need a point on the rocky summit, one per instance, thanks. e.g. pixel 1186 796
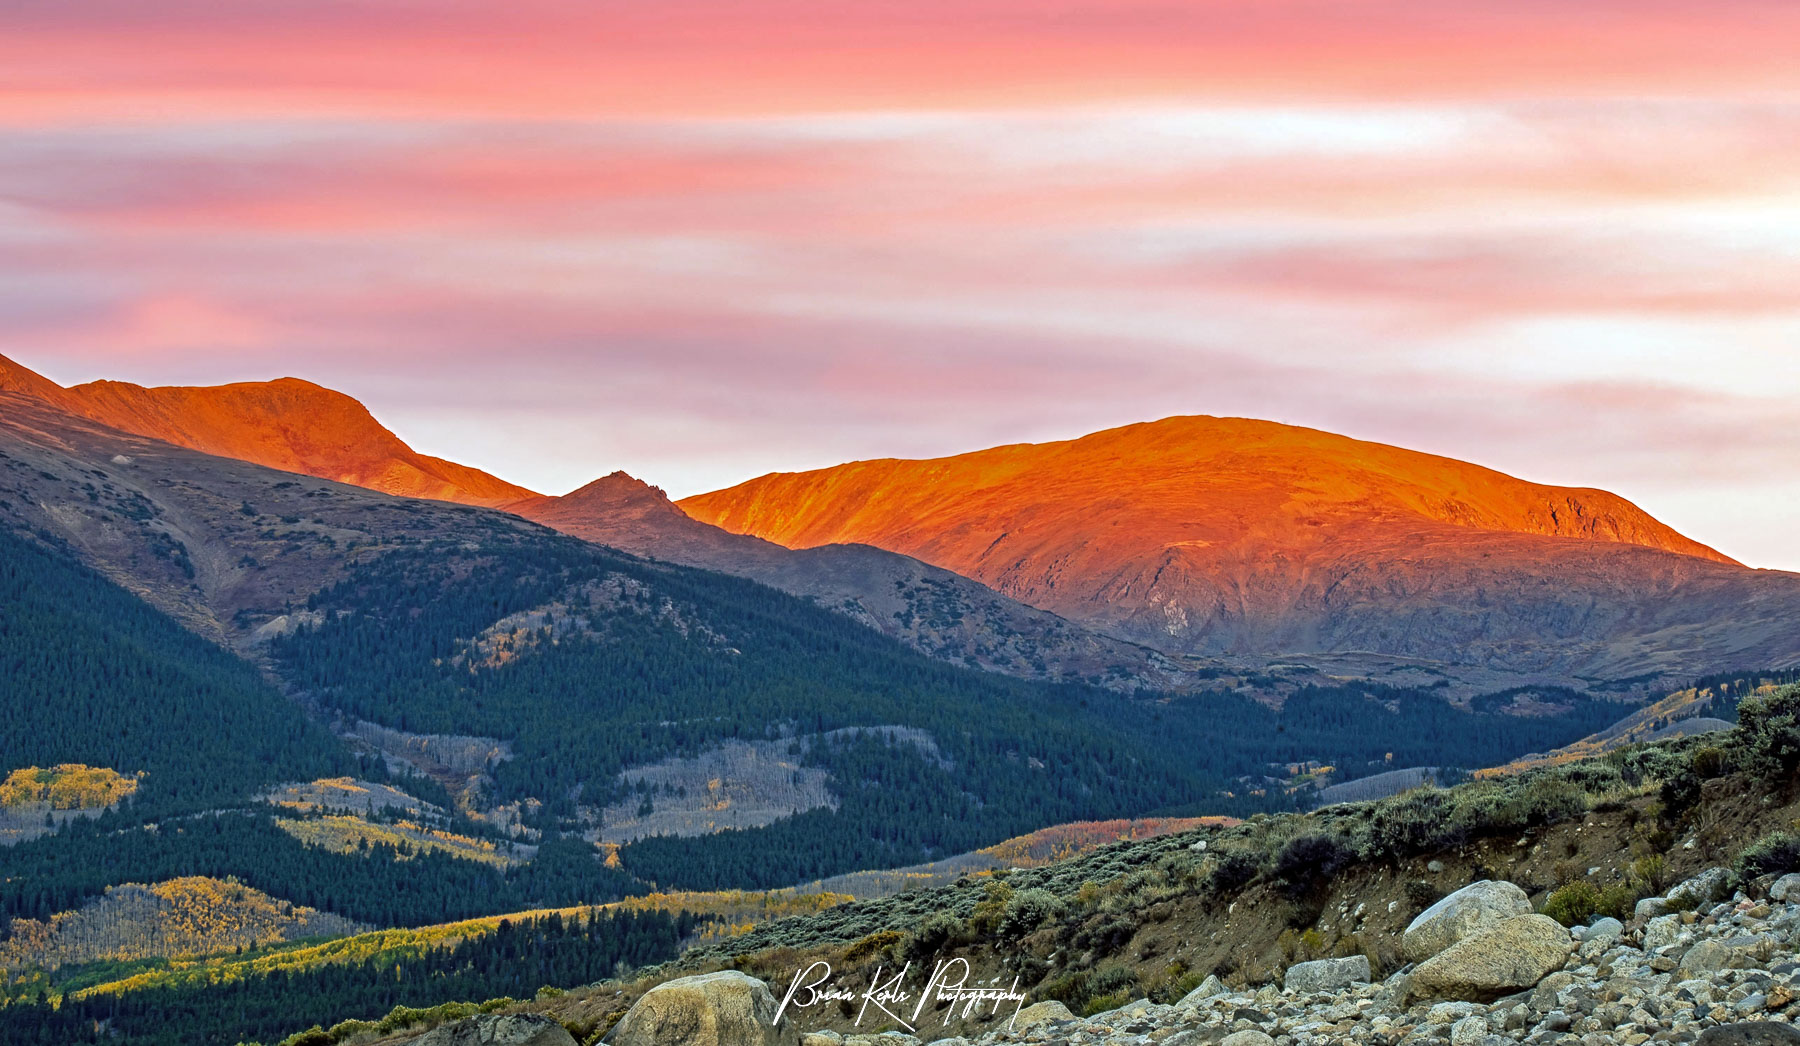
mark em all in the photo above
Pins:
pixel 1724 973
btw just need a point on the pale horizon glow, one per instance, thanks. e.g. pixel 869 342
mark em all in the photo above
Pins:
pixel 700 243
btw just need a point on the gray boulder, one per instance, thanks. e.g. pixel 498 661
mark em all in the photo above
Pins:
pixel 1661 932
pixel 1785 888
pixel 1470 909
pixel 1247 1037
pixel 1040 1013
pixel 1710 885
pixel 1751 1033
pixel 1324 975
pixel 1730 953
pixel 1209 988
pixel 488 1029
pixel 728 1008
pixel 1598 938
pixel 1606 930
pixel 1510 956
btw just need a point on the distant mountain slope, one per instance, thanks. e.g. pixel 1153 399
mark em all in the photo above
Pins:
pixel 1222 535
pixel 286 424
pixel 929 608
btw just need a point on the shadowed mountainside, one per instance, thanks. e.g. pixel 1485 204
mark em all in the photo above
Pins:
pixel 934 610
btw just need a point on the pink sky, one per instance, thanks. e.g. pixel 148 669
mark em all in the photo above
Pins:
pixel 702 241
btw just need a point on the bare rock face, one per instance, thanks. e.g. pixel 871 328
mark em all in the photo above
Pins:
pixel 525 1029
pixel 1510 956
pixel 1040 1013
pixel 727 1008
pixel 1471 909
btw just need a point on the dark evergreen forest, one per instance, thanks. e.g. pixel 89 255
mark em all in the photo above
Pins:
pixel 514 961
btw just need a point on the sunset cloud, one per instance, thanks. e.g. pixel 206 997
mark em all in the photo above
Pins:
pixel 701 241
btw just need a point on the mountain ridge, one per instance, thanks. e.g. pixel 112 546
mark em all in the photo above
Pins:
pixel 288 423
pixel 1216 536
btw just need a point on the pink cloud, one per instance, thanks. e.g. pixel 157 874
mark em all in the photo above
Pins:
pixel 701 240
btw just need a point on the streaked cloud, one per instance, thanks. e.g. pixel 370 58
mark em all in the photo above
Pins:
pixel 700 243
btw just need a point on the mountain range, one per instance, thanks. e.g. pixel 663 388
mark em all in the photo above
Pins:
pixel 1160 555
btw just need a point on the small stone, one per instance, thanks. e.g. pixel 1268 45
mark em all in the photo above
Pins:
pixel 1470 1031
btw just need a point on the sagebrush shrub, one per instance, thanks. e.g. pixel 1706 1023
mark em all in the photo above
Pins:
pixel 1574 904
pixel 1777 853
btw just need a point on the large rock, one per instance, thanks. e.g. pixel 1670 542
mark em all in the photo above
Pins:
pixel 1474 907
pixel 1325 975
pixel 1510 956
pixel 1040 1013
pixel 727 1008
pixel 524 1029
pixel 1785 887
pixel 1247 1037
pixel 1711 885
pixel 1751 1033
pixel 1208 988
pixel 1730 953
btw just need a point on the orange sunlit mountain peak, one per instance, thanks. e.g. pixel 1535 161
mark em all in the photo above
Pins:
pixel 1206 533
pixel 288 423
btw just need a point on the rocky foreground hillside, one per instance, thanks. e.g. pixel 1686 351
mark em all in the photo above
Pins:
pixel 1649 895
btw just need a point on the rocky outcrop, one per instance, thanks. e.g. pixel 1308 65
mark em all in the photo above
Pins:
pixel 1475 907
pixel 525 1029
pixel 727 1008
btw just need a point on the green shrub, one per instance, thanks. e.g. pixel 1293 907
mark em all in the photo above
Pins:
pixel 1574 904
pixel 1766 742
pixel 932 936
pixel 985 919
pixel 1618 901
pixel 1306 863
pixel 1233 870
pixel 1407 824
pixel 1546 800
pixel 874 943
pixel 1707 762
pixel 1774 854
pixel 313 1036
pixel 1113 979
pixel 1029 909
pixel 1102 1003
